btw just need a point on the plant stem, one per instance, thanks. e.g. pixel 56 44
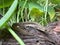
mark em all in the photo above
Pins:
pixel 6 17
pixel 18 13
pixel 16 36
pixel 28 14
pixel 22 10
pixel 46 9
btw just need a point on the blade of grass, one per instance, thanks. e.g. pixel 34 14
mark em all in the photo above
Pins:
pixel 23 9
pixel 4 19
pixel 16 36
pixel 46 8
pixel 18 13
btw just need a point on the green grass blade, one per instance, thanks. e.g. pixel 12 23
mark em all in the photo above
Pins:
pixel 16 36
pixel 9 13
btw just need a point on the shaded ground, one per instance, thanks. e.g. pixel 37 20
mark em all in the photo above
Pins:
pixel 34 34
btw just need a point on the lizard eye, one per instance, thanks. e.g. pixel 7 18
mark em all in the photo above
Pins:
pixel 17 26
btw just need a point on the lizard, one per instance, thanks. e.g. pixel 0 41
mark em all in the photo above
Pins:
pixel 25 27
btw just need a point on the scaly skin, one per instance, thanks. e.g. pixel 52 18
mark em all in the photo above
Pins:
pixel 25 27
